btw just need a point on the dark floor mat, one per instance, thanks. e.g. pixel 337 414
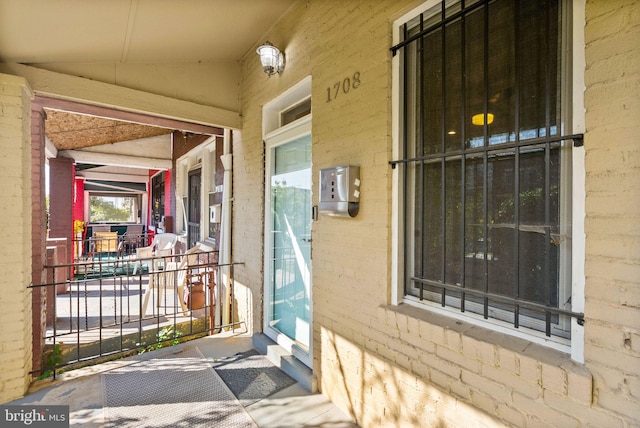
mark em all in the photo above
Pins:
pixel 251 376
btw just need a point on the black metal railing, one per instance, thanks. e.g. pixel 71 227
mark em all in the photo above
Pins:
pixel 108 305
pixel 517 308
pixel 109 243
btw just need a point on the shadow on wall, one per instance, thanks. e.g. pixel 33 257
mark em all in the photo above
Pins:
pixel 405 398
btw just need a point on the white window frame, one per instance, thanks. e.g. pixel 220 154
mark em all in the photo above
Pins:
pixel 202 157
pixel 577 62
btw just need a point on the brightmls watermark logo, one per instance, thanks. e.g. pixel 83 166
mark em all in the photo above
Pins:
pixel 34 416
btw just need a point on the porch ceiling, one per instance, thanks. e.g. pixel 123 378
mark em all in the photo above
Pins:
pixel 77 32
pixel 133 31
pixel 69 131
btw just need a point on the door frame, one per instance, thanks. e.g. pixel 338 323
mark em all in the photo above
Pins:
pixel 286 134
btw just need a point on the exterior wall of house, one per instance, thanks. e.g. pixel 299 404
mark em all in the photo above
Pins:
pixel 15 229
pixel 404 366
pixel 612 145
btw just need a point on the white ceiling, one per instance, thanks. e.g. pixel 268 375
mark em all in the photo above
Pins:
pixel 133 31
pixel 112 32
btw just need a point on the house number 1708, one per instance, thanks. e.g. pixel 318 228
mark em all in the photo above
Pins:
pixel 347 84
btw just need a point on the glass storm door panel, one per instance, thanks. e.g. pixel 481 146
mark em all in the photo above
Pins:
pixel 289 252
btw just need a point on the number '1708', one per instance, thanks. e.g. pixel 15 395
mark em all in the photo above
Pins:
pixel 347 84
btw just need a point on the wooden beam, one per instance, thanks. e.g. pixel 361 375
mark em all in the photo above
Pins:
pixel 116 160
pixel 110 176
pixel 58 86
pixel 124 116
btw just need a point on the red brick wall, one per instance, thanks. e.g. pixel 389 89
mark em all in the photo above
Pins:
pixel 61 200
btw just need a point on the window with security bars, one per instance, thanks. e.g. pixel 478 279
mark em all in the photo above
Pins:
pixel 486 170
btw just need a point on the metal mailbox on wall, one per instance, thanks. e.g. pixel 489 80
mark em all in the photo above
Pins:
pixel 340 191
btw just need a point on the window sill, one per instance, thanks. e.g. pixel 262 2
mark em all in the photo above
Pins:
pixel 501 327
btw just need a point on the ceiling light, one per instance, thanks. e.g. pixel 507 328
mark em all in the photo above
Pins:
pixel 271 58
pixel 478 119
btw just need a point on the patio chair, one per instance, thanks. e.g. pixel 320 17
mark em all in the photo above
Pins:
pixel 174 274
pixel 163 245
pixel 132 238
pixel 94 238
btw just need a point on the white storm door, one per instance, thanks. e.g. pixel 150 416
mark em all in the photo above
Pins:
pixel 288 243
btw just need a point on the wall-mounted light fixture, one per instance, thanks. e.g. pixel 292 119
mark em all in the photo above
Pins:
pixel 271 58
pixel 186 135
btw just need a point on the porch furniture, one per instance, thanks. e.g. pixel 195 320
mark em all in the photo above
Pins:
pixel 172 274
pixel 103 242
pixel 100 229
pixel 89 234
pixel 133 237
pixel 163 245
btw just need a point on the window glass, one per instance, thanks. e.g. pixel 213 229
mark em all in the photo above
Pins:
pixel 296 112
pixel 113 208
pixel 483 179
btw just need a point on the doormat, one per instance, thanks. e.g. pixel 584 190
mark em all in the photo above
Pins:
pixel 169 388
pixel 251 376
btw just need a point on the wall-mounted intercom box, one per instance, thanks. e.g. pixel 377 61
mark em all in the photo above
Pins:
pixel 340 191
pixel 215 213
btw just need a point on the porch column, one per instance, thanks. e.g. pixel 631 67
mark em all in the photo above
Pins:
pixel 15 230
pixel 61 202
pixel 39 228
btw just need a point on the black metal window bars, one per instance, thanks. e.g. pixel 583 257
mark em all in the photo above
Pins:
pixel 523 69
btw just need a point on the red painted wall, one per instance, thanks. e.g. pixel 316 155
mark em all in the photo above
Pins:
pixel 167 193
pixel 78 199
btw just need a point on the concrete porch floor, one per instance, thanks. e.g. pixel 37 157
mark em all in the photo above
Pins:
pixel 294 406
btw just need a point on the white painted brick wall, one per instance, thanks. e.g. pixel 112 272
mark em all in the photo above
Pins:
pixel 15 228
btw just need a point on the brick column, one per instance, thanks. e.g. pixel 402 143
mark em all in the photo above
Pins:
pixel 39 232
pixel 15 229
pixel 61 202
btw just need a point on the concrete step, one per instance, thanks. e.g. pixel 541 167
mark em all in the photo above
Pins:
pixel 286 362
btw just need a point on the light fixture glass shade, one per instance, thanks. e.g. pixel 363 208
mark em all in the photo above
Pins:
pixel 271 58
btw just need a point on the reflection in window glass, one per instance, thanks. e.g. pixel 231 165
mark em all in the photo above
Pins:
pixel 113 209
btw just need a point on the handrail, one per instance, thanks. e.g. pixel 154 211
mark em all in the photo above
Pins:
pixel 110 309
